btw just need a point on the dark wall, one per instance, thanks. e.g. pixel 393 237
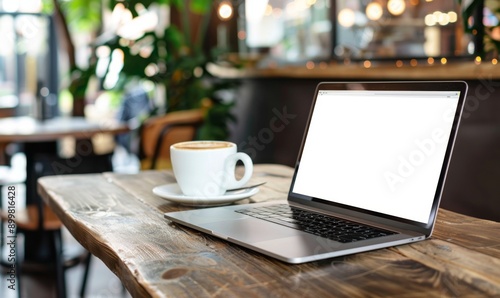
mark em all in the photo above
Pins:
pixel 272 114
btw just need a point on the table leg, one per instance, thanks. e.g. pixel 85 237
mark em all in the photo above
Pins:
pixel 37 243
pixel 42 160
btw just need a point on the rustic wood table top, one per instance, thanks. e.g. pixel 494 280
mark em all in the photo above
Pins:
pixel 119 220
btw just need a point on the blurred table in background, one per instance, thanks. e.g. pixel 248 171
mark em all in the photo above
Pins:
pixel 28 129
pixel 40 142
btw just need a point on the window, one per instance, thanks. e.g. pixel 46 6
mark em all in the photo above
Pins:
pixel 399 29
pixel 302 30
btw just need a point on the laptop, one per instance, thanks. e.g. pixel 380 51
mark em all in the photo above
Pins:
pixel 369 174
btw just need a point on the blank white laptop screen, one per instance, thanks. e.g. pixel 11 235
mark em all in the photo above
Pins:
pixel 377 150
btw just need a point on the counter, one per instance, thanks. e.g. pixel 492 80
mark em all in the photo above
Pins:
pixel 356 71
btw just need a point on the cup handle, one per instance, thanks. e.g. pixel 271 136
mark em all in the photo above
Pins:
pixel 230 167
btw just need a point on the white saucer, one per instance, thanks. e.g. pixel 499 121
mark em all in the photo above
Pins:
pixel 173 193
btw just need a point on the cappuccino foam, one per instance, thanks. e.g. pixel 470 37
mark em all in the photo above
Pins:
pixel 202 145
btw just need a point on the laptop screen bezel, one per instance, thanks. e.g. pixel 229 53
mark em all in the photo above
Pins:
pixel 425 228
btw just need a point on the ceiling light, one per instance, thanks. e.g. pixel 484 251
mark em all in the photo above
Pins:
pixel 225 10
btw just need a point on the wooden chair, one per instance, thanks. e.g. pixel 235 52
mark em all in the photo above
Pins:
pixel 158 133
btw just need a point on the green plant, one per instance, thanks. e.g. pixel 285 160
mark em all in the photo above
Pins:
pixel 174 58
pixel 170 57
pixel 490 33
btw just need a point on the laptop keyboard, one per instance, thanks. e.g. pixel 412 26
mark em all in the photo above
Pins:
pixel 326 226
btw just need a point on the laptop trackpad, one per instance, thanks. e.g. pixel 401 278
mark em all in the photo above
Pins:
pixel 250 230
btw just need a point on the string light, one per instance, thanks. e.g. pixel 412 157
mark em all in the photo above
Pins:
pixel 346 17
pixel 225 10
pixel 310 65
pixel 396 7
pixel 374 11
pixel 452 16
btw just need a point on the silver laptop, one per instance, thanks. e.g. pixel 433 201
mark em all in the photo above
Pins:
pixel 369 174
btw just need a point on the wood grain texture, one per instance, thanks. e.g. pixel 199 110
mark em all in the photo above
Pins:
pixel 119 220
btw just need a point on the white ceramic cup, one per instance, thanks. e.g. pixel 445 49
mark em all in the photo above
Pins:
pixel 207 168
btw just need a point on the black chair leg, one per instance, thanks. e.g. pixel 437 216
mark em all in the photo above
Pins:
pixel 85 274
pixel 61 280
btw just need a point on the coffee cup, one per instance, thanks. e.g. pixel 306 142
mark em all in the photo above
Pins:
pixel 207 168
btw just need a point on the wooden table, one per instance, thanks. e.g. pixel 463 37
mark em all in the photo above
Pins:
pixel 39 141
pixel 28 129
pixel 119 220
pixel 40 137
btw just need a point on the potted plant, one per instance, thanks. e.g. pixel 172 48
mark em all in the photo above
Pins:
pixel 482 19
pixel 171 57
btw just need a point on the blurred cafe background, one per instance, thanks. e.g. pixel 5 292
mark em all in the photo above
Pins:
pixel 244 65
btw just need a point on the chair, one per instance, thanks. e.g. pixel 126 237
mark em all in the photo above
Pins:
pixel 41 226
pixel 158 133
